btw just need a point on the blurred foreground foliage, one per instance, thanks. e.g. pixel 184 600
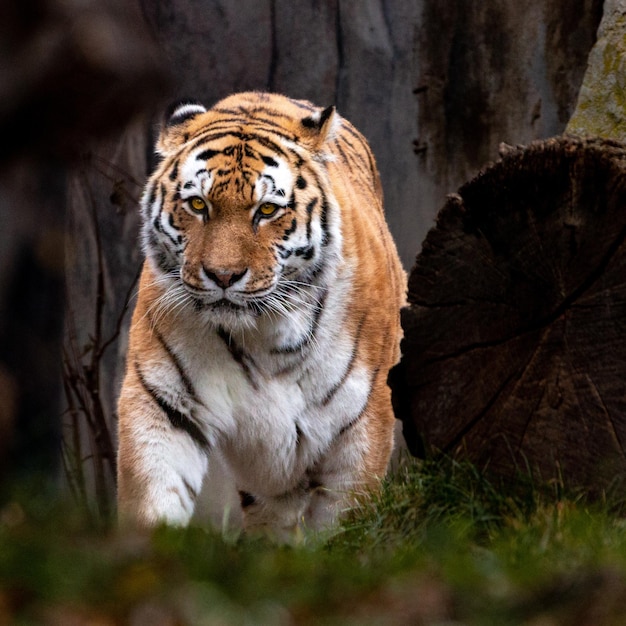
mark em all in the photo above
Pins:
pixel 440 545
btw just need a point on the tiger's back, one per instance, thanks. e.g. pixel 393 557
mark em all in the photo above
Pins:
pixel 267 317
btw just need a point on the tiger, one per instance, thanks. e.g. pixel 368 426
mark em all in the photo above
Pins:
pixel 266 321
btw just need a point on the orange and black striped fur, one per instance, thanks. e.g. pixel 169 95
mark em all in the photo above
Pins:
pixel 267 317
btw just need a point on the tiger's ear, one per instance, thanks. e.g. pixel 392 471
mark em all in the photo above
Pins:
pixel 172 133
pixel 319 128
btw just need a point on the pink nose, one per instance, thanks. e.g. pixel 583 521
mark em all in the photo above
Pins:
pixel 222 278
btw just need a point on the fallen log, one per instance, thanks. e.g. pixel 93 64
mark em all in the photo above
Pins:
pixel 514 354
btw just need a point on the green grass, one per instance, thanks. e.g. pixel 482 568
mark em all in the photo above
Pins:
pixel 440 545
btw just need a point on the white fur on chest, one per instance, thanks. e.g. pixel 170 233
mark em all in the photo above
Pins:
pixel 274 413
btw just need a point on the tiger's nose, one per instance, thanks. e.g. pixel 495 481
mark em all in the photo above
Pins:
pixel 223 278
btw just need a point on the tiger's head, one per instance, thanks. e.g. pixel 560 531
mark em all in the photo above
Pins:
pixel 239 218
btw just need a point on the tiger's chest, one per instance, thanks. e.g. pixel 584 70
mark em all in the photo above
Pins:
pixel 273 406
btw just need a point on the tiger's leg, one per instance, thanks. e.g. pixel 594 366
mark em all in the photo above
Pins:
pixel 331 489
pixel 351 469
pixel 160 475
pixel 161 465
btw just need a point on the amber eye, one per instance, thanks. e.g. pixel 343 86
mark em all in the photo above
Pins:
pixel 197 204
pixel 267 209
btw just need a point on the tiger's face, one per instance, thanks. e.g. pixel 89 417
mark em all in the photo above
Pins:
pixel 236 216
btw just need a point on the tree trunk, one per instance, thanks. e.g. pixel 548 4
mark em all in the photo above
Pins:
pixel 514 353
pixel 69 72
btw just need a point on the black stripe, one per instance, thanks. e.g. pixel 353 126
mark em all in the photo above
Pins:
pixel 309 211
pixel 227 124
pixel 364 146
pixel 187 384
pixel 156 223
pixel 174 172
pixel 310 206
pixel 218 187
pixel 315 271
pixel 266 125
pixel 239 356
pixel 353 155
pixel 283 252
pixel 250 152
pixel 343 155
pixel 306 252
pixel 177 419
pixel 356 134
pixel 152 195
pixel 206 155
pixel 301 104
pixel 326 237
pixel 357 419
pixel 226 111
pixel 289 231
pixel 250 112
pixel 309 337
pixel 263 102
pixel 170 219
pixel 193 494
pixel 355 351
pixel 160 257
pixel 271 145
pixel 373 168
pixel 235 149
pixel 207 137
pixel 153 242
pixel 351 424
pixel 324 223
pixel 246 499
pixel 176 491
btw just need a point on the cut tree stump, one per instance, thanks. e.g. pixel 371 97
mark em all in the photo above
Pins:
pixel 514 354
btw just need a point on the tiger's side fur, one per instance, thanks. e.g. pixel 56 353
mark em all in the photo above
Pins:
pixel 266 320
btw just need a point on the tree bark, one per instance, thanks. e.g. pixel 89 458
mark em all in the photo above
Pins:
pixel 514 353
pixel 69 72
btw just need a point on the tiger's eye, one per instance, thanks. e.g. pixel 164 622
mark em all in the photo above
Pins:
pixel 267 209
pixel 197 204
